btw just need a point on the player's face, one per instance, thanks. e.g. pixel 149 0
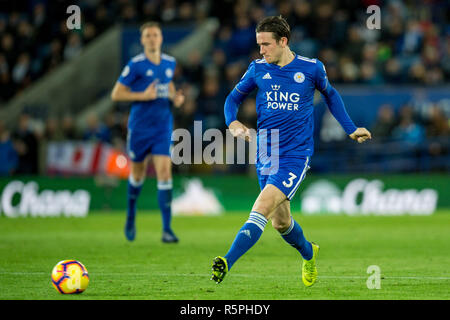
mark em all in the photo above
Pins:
pixel 269 48
pixel 151 39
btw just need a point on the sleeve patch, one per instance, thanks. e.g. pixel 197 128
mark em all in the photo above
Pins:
pixel 126 71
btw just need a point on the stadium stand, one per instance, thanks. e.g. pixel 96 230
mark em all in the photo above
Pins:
pixel 404 68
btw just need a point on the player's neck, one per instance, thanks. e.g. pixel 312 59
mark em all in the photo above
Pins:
pixel 286 57
pixel 153 56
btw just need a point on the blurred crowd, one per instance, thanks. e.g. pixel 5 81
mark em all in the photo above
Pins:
pixel 412 47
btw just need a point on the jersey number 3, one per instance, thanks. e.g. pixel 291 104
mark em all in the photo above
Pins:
pixel 290 180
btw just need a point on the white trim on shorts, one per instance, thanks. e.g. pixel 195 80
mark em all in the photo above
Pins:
pixel 293 191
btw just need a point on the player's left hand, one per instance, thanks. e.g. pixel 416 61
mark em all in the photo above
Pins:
pixel 361 135
pixel 178 100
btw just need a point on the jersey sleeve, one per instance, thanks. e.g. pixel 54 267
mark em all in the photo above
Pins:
pixel 247 82
pixel 333 99
pixel 320 79
pixel 128 75
pixel 173 66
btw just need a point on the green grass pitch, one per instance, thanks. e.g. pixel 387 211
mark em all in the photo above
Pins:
pixel 413 254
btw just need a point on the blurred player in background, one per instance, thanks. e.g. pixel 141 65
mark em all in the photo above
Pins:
pixel 146 81
pixel 286 83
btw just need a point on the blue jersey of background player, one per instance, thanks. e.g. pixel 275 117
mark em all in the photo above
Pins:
pixel 151 118
pixel 146 81
pixel 286 83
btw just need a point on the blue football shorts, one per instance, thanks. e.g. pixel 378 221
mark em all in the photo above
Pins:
pixel 141 144
pixel 287 176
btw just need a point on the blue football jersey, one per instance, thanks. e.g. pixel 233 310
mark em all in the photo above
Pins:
pixel 284 101
pixel 138 74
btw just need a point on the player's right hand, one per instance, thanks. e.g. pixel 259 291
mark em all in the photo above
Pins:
pixel 238 130
pixel 150 93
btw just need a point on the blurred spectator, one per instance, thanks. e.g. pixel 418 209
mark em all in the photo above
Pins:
pixel 331 130
pixel 385 122
pixel 329 57
pixel 194 68
pixel 247 113
pixel 73 46
pixel 413 47
pixel 168 11
pixel 242 39
pixel 186 12
pixel 95 130
pixel 185 115
pixel 6 85
pixel 410 48
pixel 55 57
pixel 233 73
pixel 89 32
pixel 20 72
pixel 408 130
pixel 323 22
pixel 437 125
pixel 354 45
pixel 26 145
pixel 417 72
pixel 8 155
pixel 8 49
pixel 349 70
pixel 437 130
pixel 210 103
pixel 52 131
pixel 68 129
pixel 393 71
pixel 369 74
pixel 114 126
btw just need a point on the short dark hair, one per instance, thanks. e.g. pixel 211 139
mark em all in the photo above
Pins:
pixel 150 24
pixel 275 24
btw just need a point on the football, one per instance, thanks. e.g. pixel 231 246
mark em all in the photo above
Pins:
pixel 70 276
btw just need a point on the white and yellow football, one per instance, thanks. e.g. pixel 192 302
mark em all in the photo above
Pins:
pixel 70 276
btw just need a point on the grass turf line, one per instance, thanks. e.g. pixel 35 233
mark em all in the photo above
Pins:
pixel 412 253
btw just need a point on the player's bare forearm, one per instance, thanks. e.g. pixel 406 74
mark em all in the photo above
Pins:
pixel 176 96
pixel 127 96
pixel 361 135
pixel 121 92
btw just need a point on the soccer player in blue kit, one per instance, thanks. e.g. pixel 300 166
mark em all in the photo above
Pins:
pixel 146 81
pixel 286 83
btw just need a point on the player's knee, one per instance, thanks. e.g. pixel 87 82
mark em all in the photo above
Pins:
pixel 265 210
pixel 137 172
pixel 164 175
pixel 280 225
pixel 136 180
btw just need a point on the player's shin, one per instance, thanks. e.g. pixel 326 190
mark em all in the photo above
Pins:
pixel 247 236
pixel 294 236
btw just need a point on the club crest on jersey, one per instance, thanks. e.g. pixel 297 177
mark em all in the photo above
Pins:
pixel 169 73
pixel 299 77
pixel 149 73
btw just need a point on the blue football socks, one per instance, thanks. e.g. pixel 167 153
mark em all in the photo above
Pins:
pixel 247 236
pixel 294 236
pixel 165 203
pixel 134 189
